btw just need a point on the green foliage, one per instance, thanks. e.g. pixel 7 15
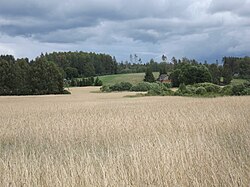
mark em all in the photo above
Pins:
pixel 46 77
pixel 183 88
pixel 19 77
pixel 71 73
pixel 143 87
pixel 246 91
pixel 238 89
pixel 152 88
pixel 210 87
pixel 227 90
pixel 200 91
pixel 105 88
pixel 149 77
pixel 81 82
pixel 167 85
pixel 227 75
pixel 8 80
pixel 189 74
pixel 215 72
pixel 86 64
pixel 97 82
pixel 123 86
pixel 159 89
pixel 174 76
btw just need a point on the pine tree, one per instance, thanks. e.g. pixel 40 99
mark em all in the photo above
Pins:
pixel 98 82
pixel 149 77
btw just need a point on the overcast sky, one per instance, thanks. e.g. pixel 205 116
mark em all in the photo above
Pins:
pixel 200 29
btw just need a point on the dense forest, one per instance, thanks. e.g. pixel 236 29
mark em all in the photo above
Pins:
pixel 48 73
pixel 21 77
pixel 83 64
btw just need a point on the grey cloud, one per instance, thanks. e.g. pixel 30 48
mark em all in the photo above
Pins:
pixel 197 29
pixel 238 7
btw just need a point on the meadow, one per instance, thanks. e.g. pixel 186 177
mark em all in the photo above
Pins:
pixel 133 78
pixel 106 139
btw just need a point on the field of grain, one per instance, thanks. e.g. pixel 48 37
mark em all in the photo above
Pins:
pixel 105 139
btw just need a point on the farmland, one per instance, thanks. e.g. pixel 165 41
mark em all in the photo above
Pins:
pixel 106 139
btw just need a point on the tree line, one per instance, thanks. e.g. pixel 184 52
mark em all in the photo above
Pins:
pixel 48 72
pixel 190 71
pixel 21 77
pixel 83 64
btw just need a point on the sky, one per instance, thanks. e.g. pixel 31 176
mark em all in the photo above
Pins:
pixel 196 29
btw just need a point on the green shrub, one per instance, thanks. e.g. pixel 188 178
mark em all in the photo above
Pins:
pixel 123 86
pixel 167 85
pixel 246 91
pixel 155 89
pixel 191 89
pixel 159 89
pixel 200 91
pixel 238 89
pixel 141 87
pixel 226 90
pixel 105 88
pixel 97 82
pixel 210 87
pixel 182 88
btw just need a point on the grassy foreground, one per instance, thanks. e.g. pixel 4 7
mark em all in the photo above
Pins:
pixel 104 139
pixel 133 78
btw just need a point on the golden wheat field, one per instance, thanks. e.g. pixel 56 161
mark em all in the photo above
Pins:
pixel 105 139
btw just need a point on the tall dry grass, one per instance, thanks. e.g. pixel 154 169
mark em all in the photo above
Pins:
pixel 95 139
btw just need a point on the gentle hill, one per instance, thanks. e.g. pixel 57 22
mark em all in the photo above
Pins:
pixel 133 78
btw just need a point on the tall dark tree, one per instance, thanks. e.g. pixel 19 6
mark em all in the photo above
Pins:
pixel 46 77
pixel 149 77
pixel 163 68
pixel 22 68
pixel 215 73
pixel 8 81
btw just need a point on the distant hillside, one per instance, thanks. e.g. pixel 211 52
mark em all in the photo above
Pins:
pixel 133 78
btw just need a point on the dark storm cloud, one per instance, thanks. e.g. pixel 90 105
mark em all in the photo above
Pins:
pixel 196 29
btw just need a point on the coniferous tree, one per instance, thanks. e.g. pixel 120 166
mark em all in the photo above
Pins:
pixel 98 82
pixel 149 77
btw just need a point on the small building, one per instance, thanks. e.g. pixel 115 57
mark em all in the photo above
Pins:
pixel 164 78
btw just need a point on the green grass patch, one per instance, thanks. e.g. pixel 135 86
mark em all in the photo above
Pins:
pixel 133 78
pixel 239 81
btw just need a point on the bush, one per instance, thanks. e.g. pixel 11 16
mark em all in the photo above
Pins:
pixel 226 90
pixel 105 88
pixel 210 87
pixel 159 89
pixel 141 87
pixel 200 91
pixel 97 82
pixel 246 91
pixel 238 89
pixel 167 85
pixel 182 88
pixel 123 86
pixel 155 89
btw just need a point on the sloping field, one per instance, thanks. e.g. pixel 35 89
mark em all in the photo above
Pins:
pixel 133 78
pixel 104 139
